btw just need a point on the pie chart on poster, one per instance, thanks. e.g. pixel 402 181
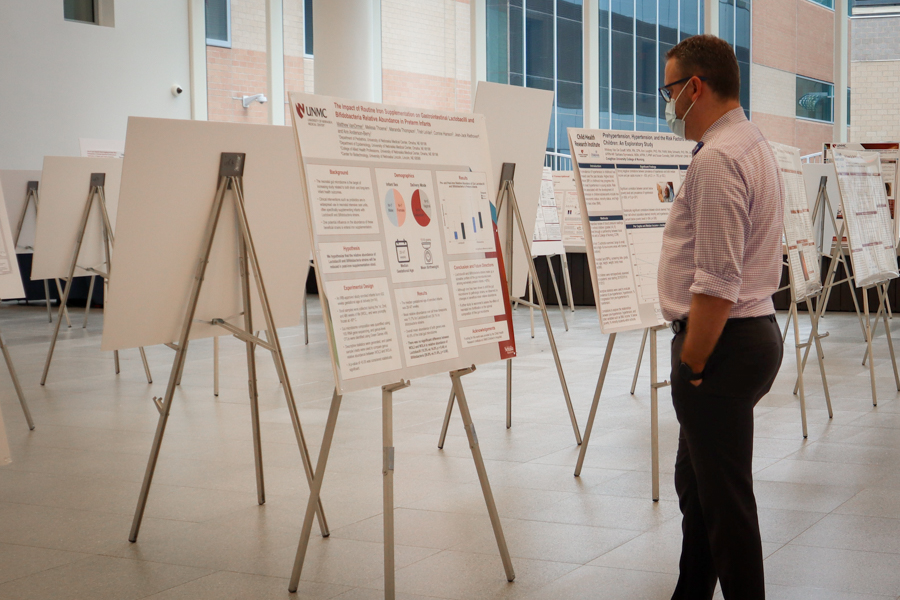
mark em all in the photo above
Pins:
pixel 421 208
pixel 395 207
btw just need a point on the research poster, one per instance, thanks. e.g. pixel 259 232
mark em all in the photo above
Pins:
pixel 889 154
pixel 802 252
pixel 627 182
pixel 405 240
pixel 569 210
pixel 873 249
pixel 547 239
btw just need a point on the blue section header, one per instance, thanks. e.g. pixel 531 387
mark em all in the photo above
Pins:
pixel 595 166
pixel 645 225
pixel 606 218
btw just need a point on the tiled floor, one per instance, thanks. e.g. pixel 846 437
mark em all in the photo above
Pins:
pixel 830 505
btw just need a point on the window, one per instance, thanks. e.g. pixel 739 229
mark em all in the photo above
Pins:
pixel 79 10
pixel 538 44
pixel 634 38
pixel 308 26
pixel 218 23
pixel 827 3
pixel 814 100
pixel 734 27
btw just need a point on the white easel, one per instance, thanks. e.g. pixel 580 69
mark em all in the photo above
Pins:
pixel 96 192
pixel 31 197
pixel 231 171
pixel 837 258
pixel 388 472
pixel 507 194
pixel 562 307
pixel 655 386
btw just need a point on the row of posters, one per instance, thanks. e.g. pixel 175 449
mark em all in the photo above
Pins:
pixel 627 182
pixel 405 239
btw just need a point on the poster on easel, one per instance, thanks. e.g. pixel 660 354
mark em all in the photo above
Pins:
pixel 802 252
pixel 569 210
pixel 889 155
pixel 547 239
pixel 627 182
pixel 405 239
pixel 864 203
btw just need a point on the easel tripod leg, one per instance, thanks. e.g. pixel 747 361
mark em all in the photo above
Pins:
pixel 562 308
pixel 47 300
pixel 146 364
pixel 387 470
pixel 87 305
pixel 883 299
pixel 654 417
pixel 594 404
pixel 868 331
pixel 640 359
pixel 797 345
pixel 482 472
pixel 447 414
pixel 216 366
pixel 65 311
pixel 314 491
pixel 15 380
pixel 814 338
pixel 509 368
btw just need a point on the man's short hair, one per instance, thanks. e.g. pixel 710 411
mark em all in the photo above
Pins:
pixel 712 58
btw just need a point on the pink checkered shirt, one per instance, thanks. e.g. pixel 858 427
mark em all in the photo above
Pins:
pixel 723 236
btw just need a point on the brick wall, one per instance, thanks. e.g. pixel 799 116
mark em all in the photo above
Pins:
pixel 876 39
pixel 425 53
pixel 232 73
pixel 875 101
pixel 772 91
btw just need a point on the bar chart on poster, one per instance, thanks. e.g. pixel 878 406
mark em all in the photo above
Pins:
pixel 627 183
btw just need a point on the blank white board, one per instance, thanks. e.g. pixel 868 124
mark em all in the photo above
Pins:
pixel 168 185
pixel 65 183
pixel 517 120
pixel 14 186
pixel 823 227
pixel 10 279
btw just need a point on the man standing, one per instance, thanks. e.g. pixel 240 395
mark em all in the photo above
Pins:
pixel 720 265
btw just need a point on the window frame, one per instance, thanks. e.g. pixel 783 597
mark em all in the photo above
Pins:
pixel 797 101
pixel 306 43
pixel 95 10
pixel 213 41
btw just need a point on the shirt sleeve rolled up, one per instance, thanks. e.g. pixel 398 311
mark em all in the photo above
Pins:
pixel 720 211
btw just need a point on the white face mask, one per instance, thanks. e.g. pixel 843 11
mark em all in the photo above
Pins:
pixel 676 124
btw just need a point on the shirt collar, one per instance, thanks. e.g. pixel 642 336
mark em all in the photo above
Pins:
pixel 732 117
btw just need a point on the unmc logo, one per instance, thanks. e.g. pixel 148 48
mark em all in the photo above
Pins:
pixel 312 111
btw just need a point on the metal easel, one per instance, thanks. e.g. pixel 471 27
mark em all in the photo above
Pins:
pixel 388 472
pixel 507 195
pixel 96 192
pixel 31 197
pixel 655 386
pixel 15 380
pixel 562 307
pixel 838 257
pixel 231 170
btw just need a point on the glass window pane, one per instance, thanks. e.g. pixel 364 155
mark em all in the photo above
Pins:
pixel 668 21
pixel 308 26
pixel 623 15
pixel 690 16
pixel 569 50
pixel 497 24
pixel 646 112
pixel 217 20
pixel 745 86
pixel 569 95
pixel 538 44
pixel 647 80
pixel 623 110
pixel 604 108
pixel 814 99
pixel 569 9
pixel 79 10
pixel 742 30
pixel 622 61
pixel 726 20
pixel 516 42
pixel 646 19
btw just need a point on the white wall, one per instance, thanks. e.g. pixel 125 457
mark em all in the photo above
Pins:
pixel 60 81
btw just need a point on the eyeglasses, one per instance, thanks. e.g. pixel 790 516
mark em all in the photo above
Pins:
pixel 666 94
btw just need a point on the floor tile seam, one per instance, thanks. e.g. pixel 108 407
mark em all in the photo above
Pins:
pixel 811 525
pixel 193 579
pixel 514 557
pixel 629 529
pixel 882 553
